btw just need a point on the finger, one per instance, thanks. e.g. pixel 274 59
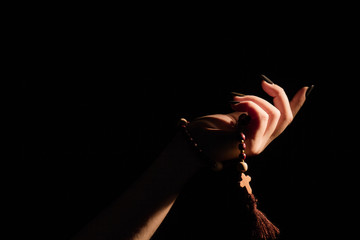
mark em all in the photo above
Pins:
pixel 298 100
pixel 273 112
pixel 280 100
pixel 257 125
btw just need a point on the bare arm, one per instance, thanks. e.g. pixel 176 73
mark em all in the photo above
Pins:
pixel 139 212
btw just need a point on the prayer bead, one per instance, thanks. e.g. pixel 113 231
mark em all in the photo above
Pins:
pixel 242 166
pixel 242 136
pixel 242 156
pixel 242 146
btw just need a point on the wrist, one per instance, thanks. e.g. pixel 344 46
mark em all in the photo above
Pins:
pixel 180 154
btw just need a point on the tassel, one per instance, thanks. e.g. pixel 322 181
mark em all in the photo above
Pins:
pixel 262 228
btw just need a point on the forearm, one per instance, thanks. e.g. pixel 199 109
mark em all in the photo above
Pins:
pixel 139 212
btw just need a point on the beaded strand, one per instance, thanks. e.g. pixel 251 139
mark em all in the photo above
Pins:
pixel 242 165
pixel 261 227
pixel 216 166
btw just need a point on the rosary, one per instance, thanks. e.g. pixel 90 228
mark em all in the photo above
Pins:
pixel 262 228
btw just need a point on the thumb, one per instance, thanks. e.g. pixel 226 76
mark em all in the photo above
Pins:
pixel 299 99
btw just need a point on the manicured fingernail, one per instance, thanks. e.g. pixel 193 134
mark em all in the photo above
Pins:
pixel 308 91
pixel 234 102
pixel 266 79
pixel 238 94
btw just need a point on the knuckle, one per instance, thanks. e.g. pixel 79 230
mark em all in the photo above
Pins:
pixel 287 118
pixel 275 113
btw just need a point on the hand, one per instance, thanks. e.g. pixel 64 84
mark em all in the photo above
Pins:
pixel 217 134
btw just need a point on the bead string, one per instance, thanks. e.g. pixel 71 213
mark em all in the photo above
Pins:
pixel 242 165
pixel 216 166
pixel 261 227
pixel 183 123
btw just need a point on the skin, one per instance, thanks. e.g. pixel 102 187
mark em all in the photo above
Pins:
pixel 139 212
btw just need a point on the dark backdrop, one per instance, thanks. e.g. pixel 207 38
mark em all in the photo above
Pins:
pixel 104 104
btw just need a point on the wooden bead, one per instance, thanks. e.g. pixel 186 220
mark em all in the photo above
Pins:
pixel 242 145
pixel 242 155
pixel 242 136
pixel 242 166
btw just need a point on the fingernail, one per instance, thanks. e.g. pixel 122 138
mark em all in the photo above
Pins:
pixel 266 79
pixel 238 94
pixel 234 102
pixel 308 91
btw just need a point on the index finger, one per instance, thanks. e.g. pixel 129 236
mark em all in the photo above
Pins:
pixel 280 99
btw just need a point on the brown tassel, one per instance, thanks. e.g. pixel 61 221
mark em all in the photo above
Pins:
pixel 262 228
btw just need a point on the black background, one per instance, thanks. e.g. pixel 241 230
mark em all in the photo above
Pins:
pixel 101 100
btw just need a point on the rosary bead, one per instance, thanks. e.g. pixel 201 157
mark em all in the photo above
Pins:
pixel 242 155
pixel 242 145
pixel 216 166
pixel 242 166
pixel 242 136
pixel 183 122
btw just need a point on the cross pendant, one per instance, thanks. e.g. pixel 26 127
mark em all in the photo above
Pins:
pixel 245 182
